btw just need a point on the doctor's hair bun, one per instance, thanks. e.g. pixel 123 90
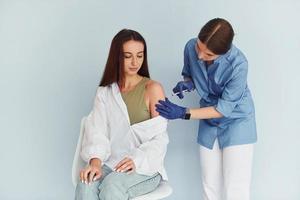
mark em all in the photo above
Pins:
pixel 217 34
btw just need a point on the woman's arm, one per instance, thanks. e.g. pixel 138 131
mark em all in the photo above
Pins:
pixel 154 93
pixel 95 143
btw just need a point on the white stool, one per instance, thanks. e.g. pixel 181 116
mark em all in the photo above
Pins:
pixel 162 191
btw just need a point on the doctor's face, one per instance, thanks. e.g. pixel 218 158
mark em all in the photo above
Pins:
pixel 133 52
pixel 204 53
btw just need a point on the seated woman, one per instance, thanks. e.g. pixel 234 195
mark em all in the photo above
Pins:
pixel 125 139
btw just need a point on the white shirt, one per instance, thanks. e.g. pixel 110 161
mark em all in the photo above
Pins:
pixel 110 137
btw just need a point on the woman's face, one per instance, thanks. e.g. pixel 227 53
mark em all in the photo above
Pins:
pixel 204 53
pixel 133 56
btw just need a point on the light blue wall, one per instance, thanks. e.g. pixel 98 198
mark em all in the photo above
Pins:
pixel 52 55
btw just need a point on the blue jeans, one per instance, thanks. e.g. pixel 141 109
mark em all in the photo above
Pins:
pixel 117 186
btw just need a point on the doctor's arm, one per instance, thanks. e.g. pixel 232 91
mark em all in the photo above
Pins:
pixel 187 85
pixel 230 98
pixel 205 113
pixel 169 110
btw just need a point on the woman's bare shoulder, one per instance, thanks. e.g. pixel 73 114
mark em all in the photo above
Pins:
pixel 154 88
pixel 154 93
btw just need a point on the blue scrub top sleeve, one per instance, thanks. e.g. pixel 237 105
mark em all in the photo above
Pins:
pixel 234 90
pixel 186 66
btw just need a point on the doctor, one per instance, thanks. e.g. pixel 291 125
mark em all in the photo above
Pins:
pixel 227 130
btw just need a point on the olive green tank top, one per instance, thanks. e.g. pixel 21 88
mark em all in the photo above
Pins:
pixel 135 102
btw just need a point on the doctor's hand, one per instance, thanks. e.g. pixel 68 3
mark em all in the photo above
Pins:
pixel 181 86
pixel 125 165
pixel 92 172
pixel 169 110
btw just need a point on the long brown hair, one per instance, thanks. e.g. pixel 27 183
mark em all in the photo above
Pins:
pixel 114 68
pixel 217 34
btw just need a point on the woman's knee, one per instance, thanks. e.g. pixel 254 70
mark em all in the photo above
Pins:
pixel 112 189
pixel 87 191
pixel 112 192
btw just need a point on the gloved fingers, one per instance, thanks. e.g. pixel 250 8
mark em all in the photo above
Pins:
pixel 178 87
pixel 167 100
pixel 159 106
pixel 165 103
pixel 162 112
pixel 181 88
pixel 169 103
pixel 165 115
pixel 190 85
pixel 175 89
pixel 180 95
pixel 162 107
pixel 187 86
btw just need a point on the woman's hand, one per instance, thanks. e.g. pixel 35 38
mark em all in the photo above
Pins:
pixel 125 165
pixel 92 172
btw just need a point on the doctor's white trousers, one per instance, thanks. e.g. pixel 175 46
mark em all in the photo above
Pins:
pixel 226 173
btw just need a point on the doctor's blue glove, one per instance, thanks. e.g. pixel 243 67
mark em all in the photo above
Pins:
pixel 183 86
pixel 169 110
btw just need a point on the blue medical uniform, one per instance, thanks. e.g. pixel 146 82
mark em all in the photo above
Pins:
pixel 223 84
